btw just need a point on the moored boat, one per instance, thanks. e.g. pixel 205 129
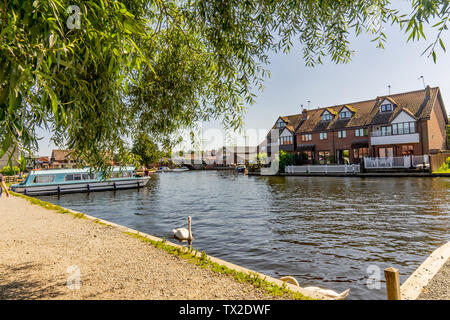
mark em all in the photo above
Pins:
pixel 166 169
pixel 182 169
pixel 59 181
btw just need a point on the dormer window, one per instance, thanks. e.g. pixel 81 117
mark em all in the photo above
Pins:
pixel 345 114
pixel 281 124
pixel 326 116
pixel 387 107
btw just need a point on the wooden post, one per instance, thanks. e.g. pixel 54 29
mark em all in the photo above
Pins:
pixel 392 283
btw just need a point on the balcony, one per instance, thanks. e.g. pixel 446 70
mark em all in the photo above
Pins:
pixel 287 147
pixel 382 137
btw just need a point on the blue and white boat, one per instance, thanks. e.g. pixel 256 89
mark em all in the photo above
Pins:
pixel 59 181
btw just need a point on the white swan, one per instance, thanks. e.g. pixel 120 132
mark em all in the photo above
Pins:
pixel 183 234
pixel 326 292
pixel 291 280
pixel 330 293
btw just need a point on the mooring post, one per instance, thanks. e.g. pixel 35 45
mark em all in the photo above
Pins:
pixel 392 283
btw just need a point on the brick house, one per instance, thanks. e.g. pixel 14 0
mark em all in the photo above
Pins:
pixel 286 127
pixel 63 159
pixel 388 126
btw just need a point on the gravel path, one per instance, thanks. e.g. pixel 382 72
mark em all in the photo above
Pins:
pixel 39 246
pixel 439 287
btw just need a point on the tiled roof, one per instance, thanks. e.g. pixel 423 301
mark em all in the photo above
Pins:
pixel 361 117
pixel 416 102
pixel 292 122
pixel 365 113
pixel 61 155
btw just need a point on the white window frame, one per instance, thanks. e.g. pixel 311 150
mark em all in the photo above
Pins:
pixel 345 114
pixel 342 134
pixel 326 116
pixel 391 107
pixel 281 124
pixel 37 178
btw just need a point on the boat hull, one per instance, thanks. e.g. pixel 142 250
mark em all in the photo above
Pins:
pixel 93 186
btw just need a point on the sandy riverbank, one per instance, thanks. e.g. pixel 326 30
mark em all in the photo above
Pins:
pixel 439 287
pixel 38 246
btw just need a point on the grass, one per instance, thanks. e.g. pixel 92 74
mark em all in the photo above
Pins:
pixel 48 205
pixel 442 171
pixel 203 261
pixel 189 254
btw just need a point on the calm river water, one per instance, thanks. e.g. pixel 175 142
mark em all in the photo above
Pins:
pixel 331 232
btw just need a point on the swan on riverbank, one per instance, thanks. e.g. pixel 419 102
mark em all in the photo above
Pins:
pixel 291 280
pixel 326 292
pixel 330 293
pixel 183 234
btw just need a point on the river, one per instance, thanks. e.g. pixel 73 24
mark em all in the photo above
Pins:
pixel 331 232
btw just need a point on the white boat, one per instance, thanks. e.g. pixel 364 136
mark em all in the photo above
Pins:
pixel 59 181
pixel 166 169
pixel 182 169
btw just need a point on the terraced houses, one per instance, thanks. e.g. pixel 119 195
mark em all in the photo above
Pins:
pixel 410 123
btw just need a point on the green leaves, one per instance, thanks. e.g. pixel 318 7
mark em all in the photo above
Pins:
pixel 157 66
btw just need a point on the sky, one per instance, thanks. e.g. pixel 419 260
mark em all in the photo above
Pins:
pixel 367 76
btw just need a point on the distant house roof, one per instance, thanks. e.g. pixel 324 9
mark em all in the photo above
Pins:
pixel 61 155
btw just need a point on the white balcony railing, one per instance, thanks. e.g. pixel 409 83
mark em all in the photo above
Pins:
pixel 325 169
pixel 378 139
pixel 396 162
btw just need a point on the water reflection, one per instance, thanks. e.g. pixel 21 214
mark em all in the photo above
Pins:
pixel 325 231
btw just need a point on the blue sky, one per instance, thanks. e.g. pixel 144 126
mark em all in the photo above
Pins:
pixel 400 65
pixel 367 76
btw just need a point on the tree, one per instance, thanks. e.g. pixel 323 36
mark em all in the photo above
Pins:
pixel 286 159
pixel 147 151
pixel 93 72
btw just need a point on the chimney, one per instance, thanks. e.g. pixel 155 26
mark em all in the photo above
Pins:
pixel 427 92
pixel 304 114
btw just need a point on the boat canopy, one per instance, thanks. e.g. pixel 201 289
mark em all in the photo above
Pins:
pixel 69 171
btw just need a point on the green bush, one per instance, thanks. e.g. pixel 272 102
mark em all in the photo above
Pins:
pixel 10 171
pixel 286 159
pixel 445 166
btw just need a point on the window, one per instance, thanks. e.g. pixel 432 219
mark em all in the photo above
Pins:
pixel 362 132
pixel 326 116
pixel 386 107
pixel 286 140
pixel 400 128
pixel 76 177
pixel 345 115
pixel 342 134
pixel 386 131
pixel 124 174
pixel 324 157
pixel 307 137
pixel 407 149
pixel 308 155
pixel 323 136
pixel 360 153
pixel 386 152
pixel 43 179
pixel 281 124
pixel 90 176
